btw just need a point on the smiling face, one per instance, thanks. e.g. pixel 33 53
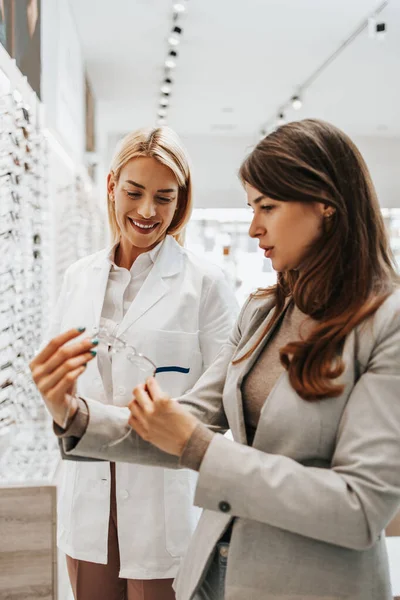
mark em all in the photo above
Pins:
pixel 286 230
pixel 145 199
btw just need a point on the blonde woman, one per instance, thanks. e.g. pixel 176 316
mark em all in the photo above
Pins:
pixel 125 528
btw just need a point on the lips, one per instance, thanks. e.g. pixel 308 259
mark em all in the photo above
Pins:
pixel 143 227
pixel 267 250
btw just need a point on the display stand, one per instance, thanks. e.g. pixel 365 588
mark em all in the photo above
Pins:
pixel 49 218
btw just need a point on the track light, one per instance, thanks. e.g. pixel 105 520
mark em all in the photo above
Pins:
pixel 166 86
pixel 164 101
pixel 296 102
pixel 380 31
pixel 376 30
pixel 170 62
pixel 179 7
pixel 162 112
pixel 175 37
pixel 281 119
pixel 161 121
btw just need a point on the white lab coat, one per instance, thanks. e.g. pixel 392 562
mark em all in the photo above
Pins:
pixel 181 316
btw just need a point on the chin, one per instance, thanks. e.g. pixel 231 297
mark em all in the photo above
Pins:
pixel 276 265
pixel 143 241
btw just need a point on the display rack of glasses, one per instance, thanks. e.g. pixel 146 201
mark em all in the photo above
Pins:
pixel 49 218
pixel 80 225
pixel 23 254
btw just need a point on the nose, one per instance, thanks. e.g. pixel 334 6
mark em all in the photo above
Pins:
pixel 146 208
pixel 256 230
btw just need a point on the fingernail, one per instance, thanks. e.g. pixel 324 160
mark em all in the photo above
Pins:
pixel 93 352
pixel 81 329
pixel 95 341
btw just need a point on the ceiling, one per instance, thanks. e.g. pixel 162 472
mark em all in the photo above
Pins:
pixel 238 62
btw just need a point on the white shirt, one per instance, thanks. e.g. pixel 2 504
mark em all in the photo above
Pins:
pixel 123 286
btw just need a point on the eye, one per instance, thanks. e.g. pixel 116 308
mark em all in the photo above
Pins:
pixel 165 200
pixel 134 194
pixel 267 207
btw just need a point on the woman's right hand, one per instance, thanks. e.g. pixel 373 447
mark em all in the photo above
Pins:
pixel 55 371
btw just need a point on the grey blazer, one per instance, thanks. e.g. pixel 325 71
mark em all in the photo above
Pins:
pixel 310 499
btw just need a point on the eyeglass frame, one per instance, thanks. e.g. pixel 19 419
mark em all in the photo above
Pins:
pixel 102 334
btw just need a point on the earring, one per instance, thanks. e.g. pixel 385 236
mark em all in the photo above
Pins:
pixel 329 215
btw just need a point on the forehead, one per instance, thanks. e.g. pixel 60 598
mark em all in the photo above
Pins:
pixel 252 192
pixel 147 170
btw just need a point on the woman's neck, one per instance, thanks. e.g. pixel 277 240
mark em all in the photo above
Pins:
pixel 126 254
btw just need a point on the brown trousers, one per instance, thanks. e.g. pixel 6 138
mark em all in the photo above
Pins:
pixel 92 581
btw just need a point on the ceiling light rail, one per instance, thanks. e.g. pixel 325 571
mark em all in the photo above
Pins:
pixel 173 42
pixel 376 29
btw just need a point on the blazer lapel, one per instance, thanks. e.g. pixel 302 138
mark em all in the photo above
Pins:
pixel 156 285
pixel 245 367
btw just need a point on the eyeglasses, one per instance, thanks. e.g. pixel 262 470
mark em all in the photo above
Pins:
pixel 118 346
pixel 137 367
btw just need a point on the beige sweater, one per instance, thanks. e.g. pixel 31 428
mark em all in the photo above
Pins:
pixel 256 386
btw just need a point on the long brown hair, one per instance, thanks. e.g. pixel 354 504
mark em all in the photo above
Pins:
pixel 350 271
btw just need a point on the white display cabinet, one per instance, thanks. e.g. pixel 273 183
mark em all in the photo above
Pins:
pixel 221 236
pixel 49 218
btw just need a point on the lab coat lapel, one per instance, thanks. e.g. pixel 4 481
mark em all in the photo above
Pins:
pixel 156 285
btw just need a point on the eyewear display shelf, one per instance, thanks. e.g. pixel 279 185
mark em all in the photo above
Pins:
pixel 48 219
pixel 28 452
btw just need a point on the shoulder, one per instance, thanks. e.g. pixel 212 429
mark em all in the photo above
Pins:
pixel 202 266
pixel 386 319
pixel 255 309
pixel 86 262
pixel 379 334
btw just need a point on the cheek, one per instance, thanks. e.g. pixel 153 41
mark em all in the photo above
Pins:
pixel 167 213
pixel 307 231
pixel 120 203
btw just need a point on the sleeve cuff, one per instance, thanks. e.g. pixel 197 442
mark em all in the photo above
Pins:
pixel 78 425
pixel 196 448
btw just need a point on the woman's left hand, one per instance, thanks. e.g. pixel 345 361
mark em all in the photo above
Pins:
pixel 160 420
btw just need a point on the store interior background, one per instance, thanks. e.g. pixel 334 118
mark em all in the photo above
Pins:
pixel 238 65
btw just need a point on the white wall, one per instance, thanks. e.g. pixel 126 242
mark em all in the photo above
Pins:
pixel 383 159
pixel 216 160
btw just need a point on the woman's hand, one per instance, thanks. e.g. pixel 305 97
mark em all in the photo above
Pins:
pixel 55 371
pixel 160 420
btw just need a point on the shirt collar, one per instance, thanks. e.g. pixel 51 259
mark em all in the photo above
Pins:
pixel 146 259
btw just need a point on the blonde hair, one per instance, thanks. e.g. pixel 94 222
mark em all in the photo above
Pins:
pixel 165 146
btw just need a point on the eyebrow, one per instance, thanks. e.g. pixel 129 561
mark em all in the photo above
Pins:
pixel 143 188
pixel 257 200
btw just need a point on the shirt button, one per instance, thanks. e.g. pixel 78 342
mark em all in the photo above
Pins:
pixel 224 506
pixel 124 494
pixel 121 390
pixel 224 551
